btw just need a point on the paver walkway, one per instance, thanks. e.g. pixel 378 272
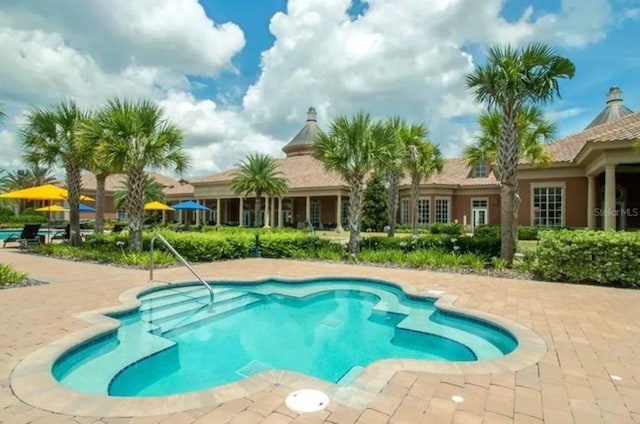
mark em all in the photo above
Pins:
pixel 591 333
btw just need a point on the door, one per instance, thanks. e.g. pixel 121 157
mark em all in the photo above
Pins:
pixel 479 216
pixel 247 218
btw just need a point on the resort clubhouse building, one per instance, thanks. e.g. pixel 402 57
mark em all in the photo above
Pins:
pixel 589 184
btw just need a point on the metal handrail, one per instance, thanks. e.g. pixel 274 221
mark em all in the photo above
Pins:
pixel 180 258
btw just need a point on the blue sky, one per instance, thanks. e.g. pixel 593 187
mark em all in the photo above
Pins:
pixel 238 76
pixel 600 65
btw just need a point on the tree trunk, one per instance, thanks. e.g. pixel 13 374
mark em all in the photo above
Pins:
pixel 392 202
pixel 257 221
pixel 356 200
pixel 508 156
pixel 100 188
pixel 135 208
pixel 415 189
pixel 74 185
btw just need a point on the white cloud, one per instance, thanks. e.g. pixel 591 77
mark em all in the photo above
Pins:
pixel 401 57
pixel 560 115
pixel 216 139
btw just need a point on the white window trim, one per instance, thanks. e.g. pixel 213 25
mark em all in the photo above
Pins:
pixel 435 208
pixel 317 203
pixel 486 199
pixel 548 184
pixel 408 203
pixel 429 205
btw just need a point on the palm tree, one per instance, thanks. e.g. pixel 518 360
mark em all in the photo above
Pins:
pixel 511 79
pixel 393 171
pixel 534 131
pixel 259 175
pixel 137 136
pixel 153 191
pixel 3 114
pixel 354 148
pixel 50 137
pixel 422 160
pixel 91 135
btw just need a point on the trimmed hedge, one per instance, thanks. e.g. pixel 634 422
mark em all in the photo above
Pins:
pixel 484 246
pixel 215 246
pixel 24 219
pixel 454 229
pixel 524 232
pixel 607 258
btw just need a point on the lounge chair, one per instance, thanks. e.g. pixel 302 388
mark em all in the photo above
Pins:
pixel 65 235
pixel 29 236
pixel 117 229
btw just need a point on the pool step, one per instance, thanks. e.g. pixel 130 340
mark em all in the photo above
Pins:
pixel 180 324
pixel 418 320
pixel 350 375
pixel 135 344
pixel 175 307
pixel 174 294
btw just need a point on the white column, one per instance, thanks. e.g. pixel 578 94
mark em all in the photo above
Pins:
pixel 218 212
pixel 610 197
pixel 280 213
pixel 197 214
pixel 241 212
pixel 266 212
pixel 180 216
pixel 339 214
pixel 308 211
pixel 272 210
pixel 591 203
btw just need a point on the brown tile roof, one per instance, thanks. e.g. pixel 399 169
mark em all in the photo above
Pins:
pixel 172 187
pixel 300 171
pixel 456 172
pixel 623 129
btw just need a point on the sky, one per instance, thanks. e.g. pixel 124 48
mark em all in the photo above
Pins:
pixel 238 75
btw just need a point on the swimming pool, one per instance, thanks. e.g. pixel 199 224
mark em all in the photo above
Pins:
pixel 330 329
pixel 5 233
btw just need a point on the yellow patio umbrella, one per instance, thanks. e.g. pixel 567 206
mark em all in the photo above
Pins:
pixel 43 192
pixel 48 192
pixel 52 208
pixel 158 206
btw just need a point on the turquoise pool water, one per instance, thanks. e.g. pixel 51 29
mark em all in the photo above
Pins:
pixel 330 329
pixel 4 234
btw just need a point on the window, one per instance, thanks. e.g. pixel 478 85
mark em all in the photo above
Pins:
pixel 479 204
pixel 548 206
pixel 121 215
pixel 480 169
pixel 404 211
pixel 423 211
pixel 442 211
pixel 315 212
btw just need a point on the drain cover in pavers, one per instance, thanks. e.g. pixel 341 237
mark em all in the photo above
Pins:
pixel 307 400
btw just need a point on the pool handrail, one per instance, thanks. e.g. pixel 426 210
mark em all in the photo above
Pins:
pixel 180 258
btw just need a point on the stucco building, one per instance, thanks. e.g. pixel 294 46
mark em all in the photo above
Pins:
pixel 591 183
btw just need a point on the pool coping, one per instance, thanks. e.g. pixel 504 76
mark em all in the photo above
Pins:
pixel 32 380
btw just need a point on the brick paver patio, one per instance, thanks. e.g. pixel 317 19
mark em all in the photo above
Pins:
pixel 591 333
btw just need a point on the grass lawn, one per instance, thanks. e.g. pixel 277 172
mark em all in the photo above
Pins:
pixel 527 246
pixel 344 235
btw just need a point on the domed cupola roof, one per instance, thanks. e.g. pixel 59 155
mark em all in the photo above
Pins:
pixel 302 143
pixel 613 110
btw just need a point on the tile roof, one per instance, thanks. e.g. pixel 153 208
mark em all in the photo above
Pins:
pixel 626 128
pixel 304 140
pixel 172 187
pixel 613 110
pixel 302 171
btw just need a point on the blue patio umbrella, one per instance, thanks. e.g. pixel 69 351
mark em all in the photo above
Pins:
pixel 85 208
pixel 190 205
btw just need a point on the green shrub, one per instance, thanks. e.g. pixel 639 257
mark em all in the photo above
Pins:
pixel 32 218
pixel 483 246
pixel 453 229
pixel 528 233
pixel 608 258
pixel 105 254
pixel 9 276
pixel 486 231
pixel 428 258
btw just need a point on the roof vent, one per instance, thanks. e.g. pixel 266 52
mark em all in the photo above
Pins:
pixel 613 110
